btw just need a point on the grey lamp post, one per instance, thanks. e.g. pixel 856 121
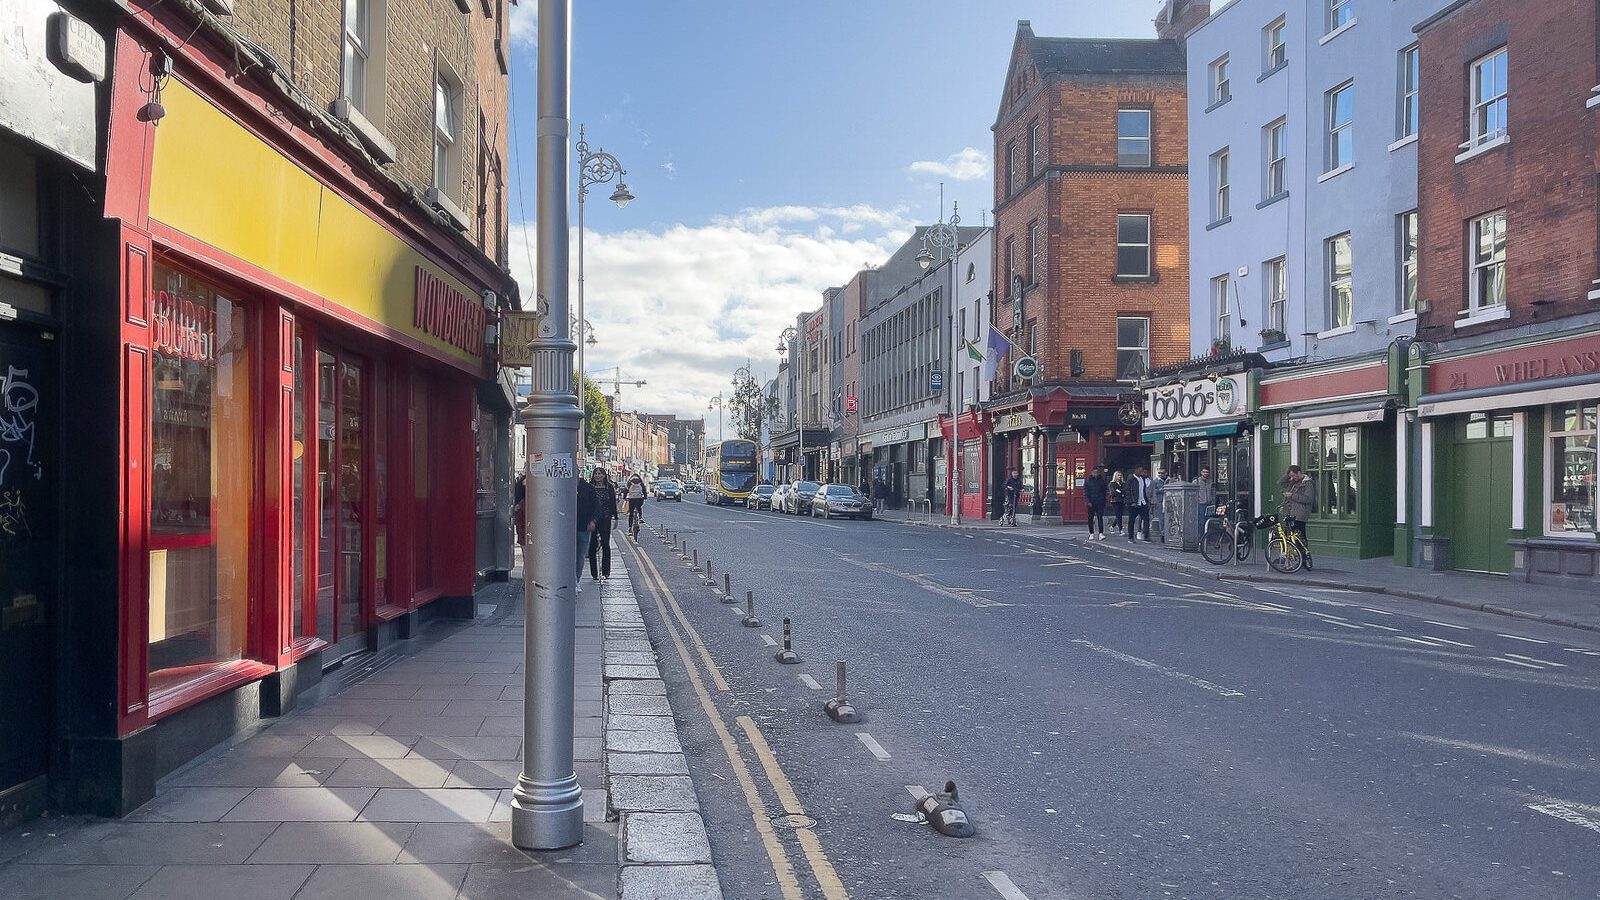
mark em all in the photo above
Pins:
pixel 943 237
pixel 594 167
pixel 788 338
pixel 547 805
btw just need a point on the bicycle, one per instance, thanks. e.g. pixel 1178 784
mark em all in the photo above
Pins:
pixel 635 518
pixel 1287 551
pixel 1224 530
pixel 1009 516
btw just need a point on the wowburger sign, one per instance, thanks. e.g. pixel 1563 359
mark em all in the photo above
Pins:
pixel 1194 403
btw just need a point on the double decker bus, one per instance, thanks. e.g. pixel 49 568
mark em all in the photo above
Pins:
pixel 730 471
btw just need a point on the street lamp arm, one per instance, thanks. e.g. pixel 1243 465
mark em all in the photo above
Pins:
pixel 595 166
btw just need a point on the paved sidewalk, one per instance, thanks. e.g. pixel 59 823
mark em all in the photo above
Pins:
pixel 1487 593
pixel 396 786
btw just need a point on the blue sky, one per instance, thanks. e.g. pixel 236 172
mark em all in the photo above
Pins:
pixel 775 148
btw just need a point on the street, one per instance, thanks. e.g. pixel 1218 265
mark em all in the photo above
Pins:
pixel 1115 730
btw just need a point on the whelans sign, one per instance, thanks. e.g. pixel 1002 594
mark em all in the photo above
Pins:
pixel 1194 403
pixel 448 314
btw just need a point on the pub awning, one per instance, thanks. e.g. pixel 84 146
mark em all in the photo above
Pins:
pixel 1212 429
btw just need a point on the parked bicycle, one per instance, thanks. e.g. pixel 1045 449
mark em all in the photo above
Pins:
pixel 1226 537
pixel 1287 550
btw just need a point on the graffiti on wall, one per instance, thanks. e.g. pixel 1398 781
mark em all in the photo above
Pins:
pixel 19 403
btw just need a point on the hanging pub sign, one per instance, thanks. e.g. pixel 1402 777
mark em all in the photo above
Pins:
pixel 517 332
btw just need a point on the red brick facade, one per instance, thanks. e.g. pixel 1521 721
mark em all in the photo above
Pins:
pixel 1074 190
pixel 1544 176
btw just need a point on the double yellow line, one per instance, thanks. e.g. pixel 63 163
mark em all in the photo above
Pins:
pixel 810 846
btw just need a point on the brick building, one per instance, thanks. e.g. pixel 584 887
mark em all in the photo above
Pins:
pixel 1505 372
pixel 1090 253
pixel 277 235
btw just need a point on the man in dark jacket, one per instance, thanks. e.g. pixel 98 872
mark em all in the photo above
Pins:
pixel 605 495
pixel 587 508
pixel 1094 496
pixel 519 508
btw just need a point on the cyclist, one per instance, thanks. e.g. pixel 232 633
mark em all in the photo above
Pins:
pixel 1013 491
pixel 1298 496
pixel 635 496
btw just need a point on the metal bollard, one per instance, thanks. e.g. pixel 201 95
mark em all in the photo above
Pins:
pixel 839 708
pixel 750 620
pixel 787 656
pixel 695 566
pixel 727 589
pixel 711 580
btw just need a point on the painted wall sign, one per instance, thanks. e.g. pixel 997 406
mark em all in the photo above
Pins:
pixel 517 332
pixel 448 314
pixel 1016 421
pixel 1194 403
pixel 1575 356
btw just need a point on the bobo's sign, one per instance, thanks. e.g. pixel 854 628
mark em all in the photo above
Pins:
pixel 448 314
pixel 1194 403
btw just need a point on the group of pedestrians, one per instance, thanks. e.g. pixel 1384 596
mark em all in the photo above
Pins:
pixel 1134 494
pixel 598 504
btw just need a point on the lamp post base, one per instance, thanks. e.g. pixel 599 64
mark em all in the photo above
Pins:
pixel 547 816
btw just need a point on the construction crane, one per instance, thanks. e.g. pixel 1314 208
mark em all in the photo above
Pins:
pixel 616 381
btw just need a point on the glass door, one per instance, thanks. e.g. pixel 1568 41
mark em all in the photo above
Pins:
pixel 341 491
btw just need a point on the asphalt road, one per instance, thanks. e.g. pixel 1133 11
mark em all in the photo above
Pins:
pixel 1116 730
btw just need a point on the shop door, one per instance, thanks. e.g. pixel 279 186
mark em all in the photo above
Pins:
pixel 1481 482
pixel 28 552
pixel 341 491
pixel 1072 470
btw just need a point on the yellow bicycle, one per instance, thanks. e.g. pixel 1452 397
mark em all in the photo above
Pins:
pixel 1286 549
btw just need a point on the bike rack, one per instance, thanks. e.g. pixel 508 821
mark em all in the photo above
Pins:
pixel 926 506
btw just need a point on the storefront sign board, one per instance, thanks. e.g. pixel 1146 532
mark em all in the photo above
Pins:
pixel 1195 403
pixel 45 96
pixel 1575 356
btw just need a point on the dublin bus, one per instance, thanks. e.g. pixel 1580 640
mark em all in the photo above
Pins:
pixel 730 471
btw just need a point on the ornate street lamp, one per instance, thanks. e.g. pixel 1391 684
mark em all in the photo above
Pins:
pixel 594 167
pixel 943 237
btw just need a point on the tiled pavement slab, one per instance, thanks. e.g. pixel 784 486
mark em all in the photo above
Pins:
pixel 398 786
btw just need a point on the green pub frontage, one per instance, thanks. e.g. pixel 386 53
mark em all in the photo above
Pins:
pixel 1338 421
pixel 1505 461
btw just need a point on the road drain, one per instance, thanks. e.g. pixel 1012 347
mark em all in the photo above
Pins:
pixel 796 821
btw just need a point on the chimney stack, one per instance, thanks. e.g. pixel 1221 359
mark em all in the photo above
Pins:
pixel 1178 16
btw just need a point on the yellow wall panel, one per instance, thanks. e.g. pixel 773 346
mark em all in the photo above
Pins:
pixel 216 182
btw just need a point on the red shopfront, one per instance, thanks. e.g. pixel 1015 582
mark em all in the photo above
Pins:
pixel 295 445
pixel 1056 438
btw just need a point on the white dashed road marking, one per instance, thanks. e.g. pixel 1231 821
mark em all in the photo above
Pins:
pixel 1447 641
pixel 1566 814
pixel 1157 667
pixel 1515 663
pixel 1516 637
pixel 916 791
pixel 1383 627
pixel 873 747
pixel 810 682
pixel 1003 885
pixel 1447 625
pixel 1426 642
pixel 1542 662
pixel 767 639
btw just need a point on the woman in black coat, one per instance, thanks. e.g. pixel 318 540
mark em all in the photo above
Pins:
pixel 1115 494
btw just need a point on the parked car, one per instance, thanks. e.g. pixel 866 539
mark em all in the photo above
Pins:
pixel 693 487
pixel 798 500
pixel 761 497
pixel 780 496
pixel 840 500
pixel 668 489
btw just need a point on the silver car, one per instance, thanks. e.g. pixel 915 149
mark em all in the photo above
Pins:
pixel 840 500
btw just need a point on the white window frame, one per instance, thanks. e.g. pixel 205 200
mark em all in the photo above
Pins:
pixel 1553 433
pixel 357 50
pixel 1275 52
pixel 1149 239
pixel 1148 137
pixel 1221 92
pixel 1479 108
pixel 1479 266
pixel 447 97
pixel 1340 14
pixel 1335 130
pixel 1335 281
pixel 1409 110
pixel 1276 173
pixel 1275 281
pixel 1407 247
pixel 1142 349
pixel 1221 317
pixel 1219 185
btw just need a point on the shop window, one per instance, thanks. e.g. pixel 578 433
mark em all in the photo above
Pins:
pixel 297 465
pixel 1486 426
pixel 422 484
pixel 1571 481
pixel 1332 461
pixel 1280 429
pixel 202 481
pixel 919 457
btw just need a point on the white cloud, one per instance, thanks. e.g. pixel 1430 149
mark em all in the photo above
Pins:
pixel 684 306
pixel 524 24
pixel 970 164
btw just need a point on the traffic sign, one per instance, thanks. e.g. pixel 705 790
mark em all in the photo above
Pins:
pixel 1026 368
pixel 936 380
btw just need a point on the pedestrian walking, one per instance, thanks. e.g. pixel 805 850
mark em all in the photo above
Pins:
pixel 1158 504
pixel 1116 495
pixel 1138 499
pixel 605 496
pixel 587 513
pixel 1013 493
pixel 1094 496
pixel 519 508
pixel 1205 497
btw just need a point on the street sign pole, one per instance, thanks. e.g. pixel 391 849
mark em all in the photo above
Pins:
pixel 547 805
